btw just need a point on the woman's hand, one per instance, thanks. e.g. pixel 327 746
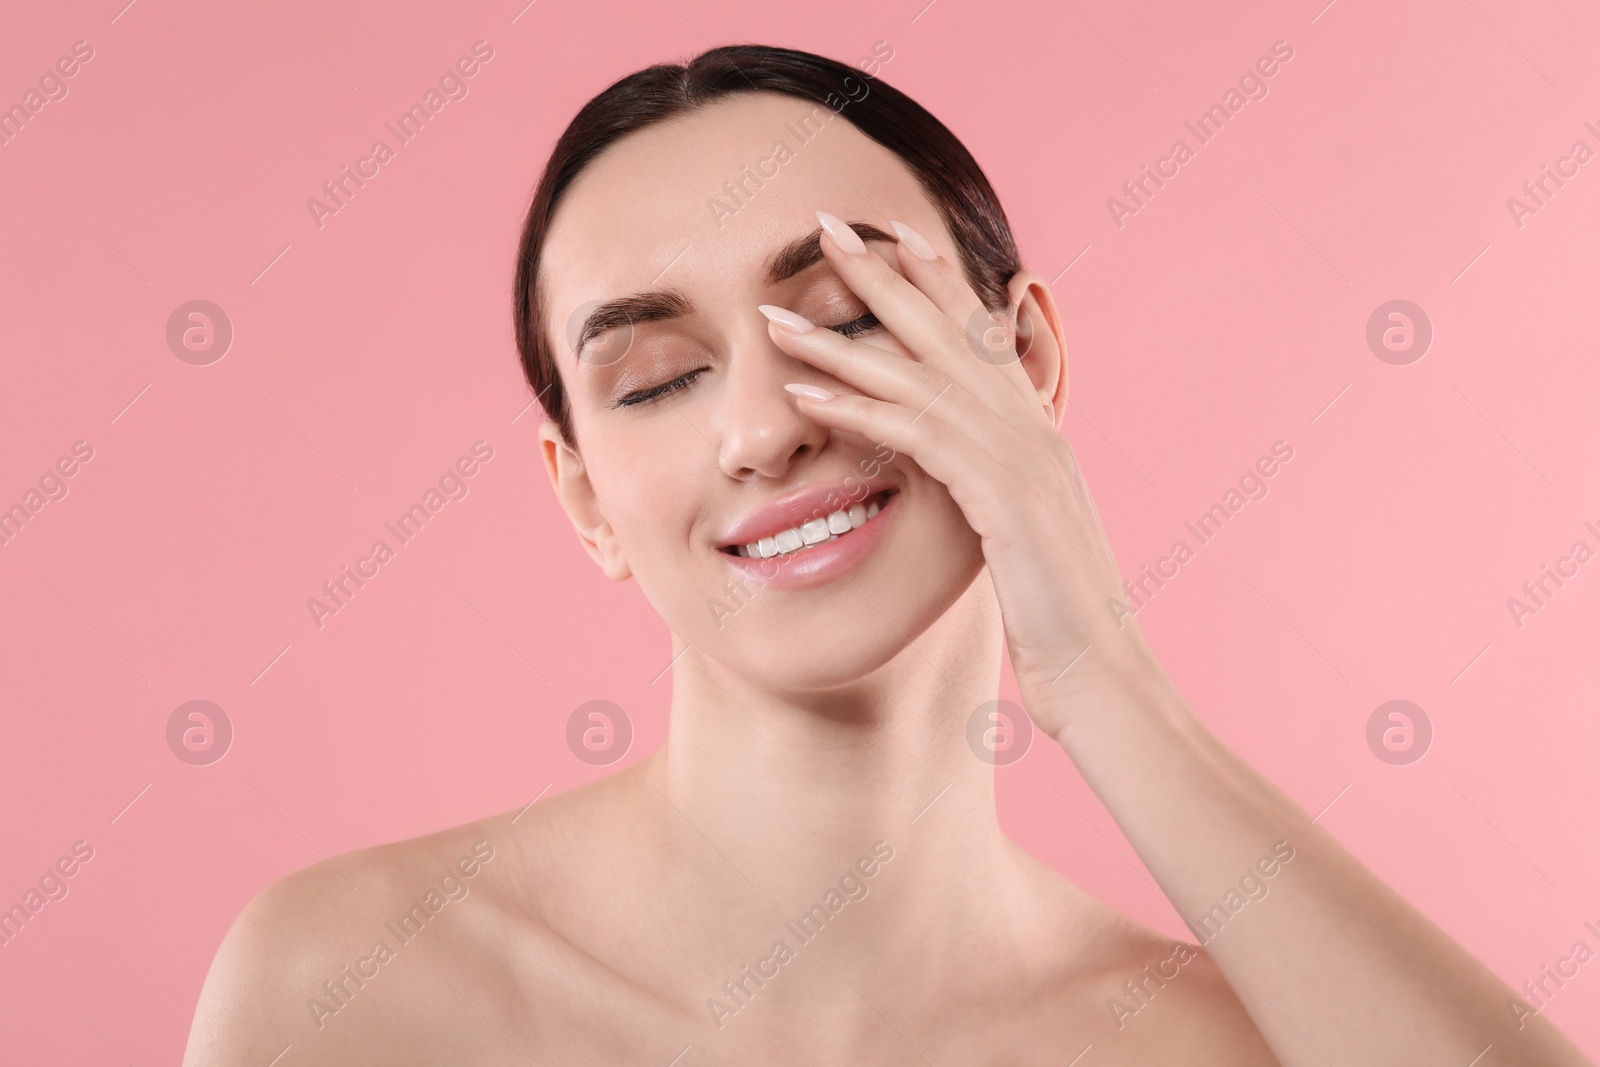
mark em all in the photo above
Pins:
pixel 1335 967
pixel 965 408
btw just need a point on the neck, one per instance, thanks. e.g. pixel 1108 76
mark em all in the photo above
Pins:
pixel 793 791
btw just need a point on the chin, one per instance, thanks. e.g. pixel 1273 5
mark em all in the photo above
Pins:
pixel 840 633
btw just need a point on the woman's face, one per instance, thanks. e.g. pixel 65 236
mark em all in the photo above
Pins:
pixel 688 440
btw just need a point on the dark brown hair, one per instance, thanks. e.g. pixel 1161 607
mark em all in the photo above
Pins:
pixel 947 171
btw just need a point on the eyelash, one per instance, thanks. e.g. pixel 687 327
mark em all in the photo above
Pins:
pixel 857 327
pixel 854 328
pixel 655 392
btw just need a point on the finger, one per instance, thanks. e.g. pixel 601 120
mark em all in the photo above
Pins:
pixel 935 275
pixel 887 376
pixel 873 370
pixel 990 334
pixel 910 314
pixel 945 453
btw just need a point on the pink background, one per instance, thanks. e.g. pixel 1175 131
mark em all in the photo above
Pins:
pixel 1224 316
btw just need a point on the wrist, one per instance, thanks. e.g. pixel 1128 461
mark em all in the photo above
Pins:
pixel 1099 684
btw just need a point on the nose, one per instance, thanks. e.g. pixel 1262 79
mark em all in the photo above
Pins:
pixel 761 433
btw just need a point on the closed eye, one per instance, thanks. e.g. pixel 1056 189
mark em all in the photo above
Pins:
pixel 854 328
pixel 655 392
pixel 857 327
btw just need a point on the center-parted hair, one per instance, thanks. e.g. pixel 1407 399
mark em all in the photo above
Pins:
pixel 947 171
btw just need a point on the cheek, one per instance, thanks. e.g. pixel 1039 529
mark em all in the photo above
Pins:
pixel 647 516
pixel 959 542
pixel 948 548
pixel 654 530
pixel 651 483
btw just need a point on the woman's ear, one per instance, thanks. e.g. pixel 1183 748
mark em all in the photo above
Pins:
pixel 570 479
pixel 1041 341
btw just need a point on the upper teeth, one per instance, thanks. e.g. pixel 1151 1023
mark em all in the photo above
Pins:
pixel 810 533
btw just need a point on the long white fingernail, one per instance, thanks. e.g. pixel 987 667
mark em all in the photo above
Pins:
pixel 810 392
pixel 914 241
pixel 843 236
pixel 786 318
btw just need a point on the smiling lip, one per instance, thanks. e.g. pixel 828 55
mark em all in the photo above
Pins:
pixel 802 505
pixel 819 563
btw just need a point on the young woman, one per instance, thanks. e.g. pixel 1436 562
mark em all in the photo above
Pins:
pixel 801 389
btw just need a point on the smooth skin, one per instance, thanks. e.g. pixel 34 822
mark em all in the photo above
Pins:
pixel 816 726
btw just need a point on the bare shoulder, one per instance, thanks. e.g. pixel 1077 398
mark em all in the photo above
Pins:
pixel 326 959
pixel 1138 996
pixel 1161 1000
pixel 1196 1017
pixel 397 953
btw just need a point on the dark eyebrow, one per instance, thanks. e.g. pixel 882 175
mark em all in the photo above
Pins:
pixel 800 253
pixel 653 306
pixel 661 304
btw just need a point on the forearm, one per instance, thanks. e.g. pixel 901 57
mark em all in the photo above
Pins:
pixel 1331 963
